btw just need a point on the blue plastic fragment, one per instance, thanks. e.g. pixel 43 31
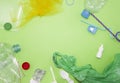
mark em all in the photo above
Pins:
pixel 85 13
pixel 92 29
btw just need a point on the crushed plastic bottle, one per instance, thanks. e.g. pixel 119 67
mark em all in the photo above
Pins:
pixel 9 67
pixel 94 5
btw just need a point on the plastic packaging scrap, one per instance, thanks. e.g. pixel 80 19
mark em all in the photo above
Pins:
pixel 17 13
pixel 53 75
pixel 9 68
pixel 100 51
pixel 37 76
pixel 65 76
pixel 94 5
pixel 86 74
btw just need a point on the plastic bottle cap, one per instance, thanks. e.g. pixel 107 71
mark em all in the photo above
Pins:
pixel 25 65
pixel 85 13
pixel 7 26
pixel 16 48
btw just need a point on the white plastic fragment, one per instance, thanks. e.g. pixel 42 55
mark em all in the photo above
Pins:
pixel 100 51
pixel 65 76
pixel 33 81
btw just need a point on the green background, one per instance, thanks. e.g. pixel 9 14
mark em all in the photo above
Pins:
pixel 64 32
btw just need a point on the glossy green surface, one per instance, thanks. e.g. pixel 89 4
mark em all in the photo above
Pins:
pixel 64 32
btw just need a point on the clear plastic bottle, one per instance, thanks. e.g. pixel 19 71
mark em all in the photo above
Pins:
pixel 9 68
pixel 94 5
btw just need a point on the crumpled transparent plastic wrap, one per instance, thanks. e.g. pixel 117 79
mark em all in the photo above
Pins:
pixel 10 71
pixel 20 12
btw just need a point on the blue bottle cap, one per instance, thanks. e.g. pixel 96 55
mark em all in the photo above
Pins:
pixel 85 13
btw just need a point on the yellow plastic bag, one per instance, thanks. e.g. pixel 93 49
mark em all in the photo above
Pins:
pixel 32 8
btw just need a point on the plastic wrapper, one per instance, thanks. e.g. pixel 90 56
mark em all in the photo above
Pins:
pixel 9 67
pixel 94 5
pixel 87 74
pixel 18 12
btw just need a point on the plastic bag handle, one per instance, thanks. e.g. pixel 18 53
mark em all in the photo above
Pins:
pixel 55 58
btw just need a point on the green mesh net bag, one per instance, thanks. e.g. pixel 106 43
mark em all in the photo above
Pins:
pixel 86 74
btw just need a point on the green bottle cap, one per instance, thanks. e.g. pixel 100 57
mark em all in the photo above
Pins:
pixel 7 26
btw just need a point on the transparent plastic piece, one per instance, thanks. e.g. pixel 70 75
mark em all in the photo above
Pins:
pixel 37 76
pixel 9 67
pixel 94 5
